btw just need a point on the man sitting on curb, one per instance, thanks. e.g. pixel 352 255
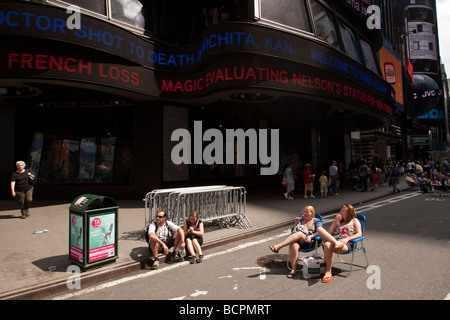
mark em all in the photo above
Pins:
pixel 163 235
pixel 411 180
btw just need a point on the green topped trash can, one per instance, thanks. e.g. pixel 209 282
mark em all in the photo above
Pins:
pixel 93 230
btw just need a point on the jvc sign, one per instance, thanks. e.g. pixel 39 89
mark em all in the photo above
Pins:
pixel 235 147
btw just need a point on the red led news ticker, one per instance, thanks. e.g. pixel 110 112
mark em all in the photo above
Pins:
pixel 45 62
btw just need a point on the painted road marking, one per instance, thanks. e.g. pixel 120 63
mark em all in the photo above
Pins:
pixel 262 271
pixel 375 205
pixel 168 268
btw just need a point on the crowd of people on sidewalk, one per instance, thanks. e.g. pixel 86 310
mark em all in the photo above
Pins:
pixel 423 175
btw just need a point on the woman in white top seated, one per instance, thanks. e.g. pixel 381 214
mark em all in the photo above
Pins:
pixel 348 228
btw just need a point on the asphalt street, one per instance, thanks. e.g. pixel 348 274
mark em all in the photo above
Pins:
pixel 408 247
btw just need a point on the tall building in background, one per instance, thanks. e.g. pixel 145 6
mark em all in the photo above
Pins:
pixel 387 143
pixel 416 30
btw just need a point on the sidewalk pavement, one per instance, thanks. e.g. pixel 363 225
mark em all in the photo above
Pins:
pixel 34 266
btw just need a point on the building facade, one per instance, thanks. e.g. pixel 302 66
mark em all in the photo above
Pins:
pixel 93 101
pixel 416 30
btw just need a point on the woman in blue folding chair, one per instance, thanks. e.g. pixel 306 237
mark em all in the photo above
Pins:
pixel 348 228
pixel 303 235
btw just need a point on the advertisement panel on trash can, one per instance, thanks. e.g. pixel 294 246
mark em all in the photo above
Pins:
pixel 93 230
pixel 101 236
pixel 76 237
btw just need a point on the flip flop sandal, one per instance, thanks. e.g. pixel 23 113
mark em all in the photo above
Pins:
pixel 339 245
pixel 291 275
pixel 273 249
pixel 327 279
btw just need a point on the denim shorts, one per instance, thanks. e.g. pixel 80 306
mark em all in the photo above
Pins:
pixel 308 245
pixel 350 246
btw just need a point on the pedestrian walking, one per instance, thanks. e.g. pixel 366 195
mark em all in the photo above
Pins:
pixel 323 180
pixel 22 188
pixel 395 177
pixel 333 171
pixel 289 174
pixel 364 173
pixel 308 179
pixel 374 177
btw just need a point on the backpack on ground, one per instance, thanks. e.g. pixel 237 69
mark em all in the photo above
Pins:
pixel 146 236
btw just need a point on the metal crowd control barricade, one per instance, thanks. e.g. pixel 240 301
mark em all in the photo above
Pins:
pixel 223 204
pixel 157 200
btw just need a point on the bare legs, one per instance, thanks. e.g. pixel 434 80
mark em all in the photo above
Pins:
pixel 330 245
pixel 293 242
pixel 193 246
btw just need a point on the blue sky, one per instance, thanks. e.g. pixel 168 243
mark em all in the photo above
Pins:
pixel 443 16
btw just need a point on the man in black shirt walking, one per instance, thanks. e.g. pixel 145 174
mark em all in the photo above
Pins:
pixel 22 187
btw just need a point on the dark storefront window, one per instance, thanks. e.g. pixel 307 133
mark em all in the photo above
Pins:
pixel 95 6
pixel 174 118
pixel 188 19
pixel 34 159
pixel 369 56
pixel 350 42
pixel 216 11
pixel 98 151
pixel 324 24
pixel 292 13
pixel 88 153
pixel 129 11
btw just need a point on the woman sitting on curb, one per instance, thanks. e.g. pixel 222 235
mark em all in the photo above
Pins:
pixel 348 228
pixel 194 231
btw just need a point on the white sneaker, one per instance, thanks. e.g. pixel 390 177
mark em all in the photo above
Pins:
pixel 306 197
pixel 290 198
pixel 155 264
pixel 286 195
pixel 312 197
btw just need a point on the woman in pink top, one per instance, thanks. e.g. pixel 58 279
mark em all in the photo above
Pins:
pixel 308 179
pixel 348 228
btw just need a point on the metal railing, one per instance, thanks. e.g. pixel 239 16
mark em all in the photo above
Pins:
pixel 224 204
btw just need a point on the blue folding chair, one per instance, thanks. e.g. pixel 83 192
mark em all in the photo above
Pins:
pixel 358 245
pixel 317 244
